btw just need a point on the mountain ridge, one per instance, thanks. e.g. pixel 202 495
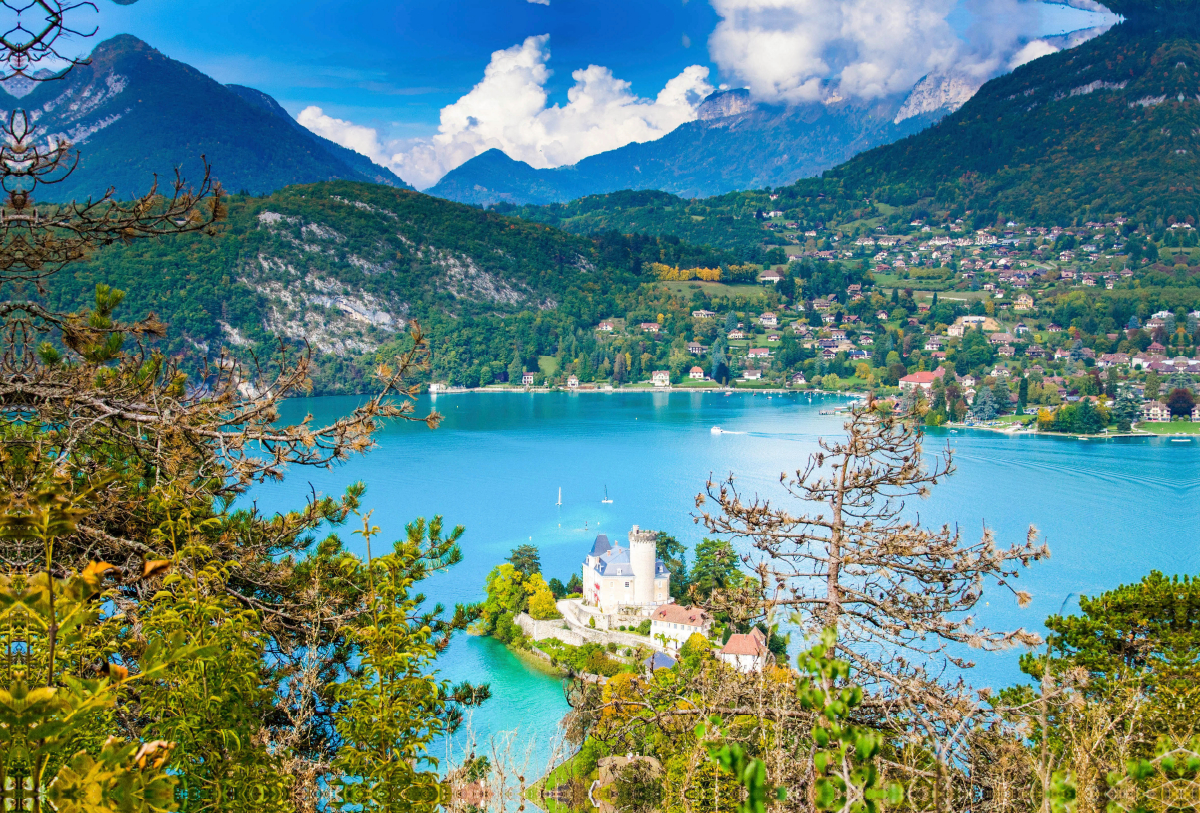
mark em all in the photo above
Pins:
pixel 129 93
pixel 734 143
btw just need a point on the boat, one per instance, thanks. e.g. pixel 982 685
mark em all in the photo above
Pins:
pixel 606 500
pixel 559 503
pixel 1181 440
pixel 716 430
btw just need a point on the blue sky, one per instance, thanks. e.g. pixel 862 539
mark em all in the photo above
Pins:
pixel 380 76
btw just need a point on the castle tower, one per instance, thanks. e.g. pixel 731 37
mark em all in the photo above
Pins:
pixel 642 560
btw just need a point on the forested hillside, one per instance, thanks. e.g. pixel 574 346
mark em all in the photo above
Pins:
pixel 344 265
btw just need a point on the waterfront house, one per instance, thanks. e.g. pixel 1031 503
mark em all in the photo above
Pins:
pixel 799 380
pixel 746 653
pixel 676 624
pixel 661 378
pixel 616 576
pixel 1156 412
pixel 696 374
pixel 573 382
pixel 527 378
pixel 751 375
pixel 922 380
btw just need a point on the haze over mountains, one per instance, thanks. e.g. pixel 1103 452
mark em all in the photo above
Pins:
pixel 135 112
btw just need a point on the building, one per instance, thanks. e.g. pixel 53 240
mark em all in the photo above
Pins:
pixel 527 378
pixel 696 374
pixel 1024 302
pixel 677 624
pixel 606 327
pixel 923 380
pixel 768 319
pixel 751 375
pixel 661 378
pixel 771 276
pixel 746 652
pixel 573 383
pixel 649 327
pixel 616 576
pixel 695 348
pixel 759 352
pixel 702 314
pixel 1156 412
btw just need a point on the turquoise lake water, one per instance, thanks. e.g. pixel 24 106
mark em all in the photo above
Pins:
pixel 1110 510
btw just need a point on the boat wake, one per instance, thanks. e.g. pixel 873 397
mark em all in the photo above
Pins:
pixel 716 430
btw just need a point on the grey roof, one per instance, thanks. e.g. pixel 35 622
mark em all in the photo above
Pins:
pixel 659 660
pixel 615 562
pixel 601 546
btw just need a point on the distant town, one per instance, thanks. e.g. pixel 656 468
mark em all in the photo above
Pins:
pixel 995 326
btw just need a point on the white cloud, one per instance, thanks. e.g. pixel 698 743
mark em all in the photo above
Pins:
pixel 361 139
pixel 509 110
pixel 795 51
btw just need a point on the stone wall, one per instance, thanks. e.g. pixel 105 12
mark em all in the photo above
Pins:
pixel 554 628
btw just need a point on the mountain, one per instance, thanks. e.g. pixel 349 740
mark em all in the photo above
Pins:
pixel 343 266
pixel 134 112
pixel 1105 129
pixel 734 143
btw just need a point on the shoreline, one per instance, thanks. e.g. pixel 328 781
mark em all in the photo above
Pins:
pixel 636 391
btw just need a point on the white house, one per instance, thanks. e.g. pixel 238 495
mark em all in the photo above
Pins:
pixel 661 378
pixel 746 653
pixel 677 624
pixel 696 374
pixel 616 576
pixel 768 319
pixel 1156 412
pixel 573 382
pixel 751 375
pixel 527 378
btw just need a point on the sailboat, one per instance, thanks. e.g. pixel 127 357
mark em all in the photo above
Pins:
pixel 606 500
pixel 559 503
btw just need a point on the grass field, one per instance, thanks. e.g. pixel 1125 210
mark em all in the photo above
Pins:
pixel 712 288
pixel 1172 428
pixel 548 365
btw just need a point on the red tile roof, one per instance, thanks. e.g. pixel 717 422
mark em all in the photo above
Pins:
pixel 674 614
pixel 751 644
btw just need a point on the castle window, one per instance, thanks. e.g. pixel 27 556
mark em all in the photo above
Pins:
pixel 626 584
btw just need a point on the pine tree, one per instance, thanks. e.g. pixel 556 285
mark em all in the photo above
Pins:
pixel 984 406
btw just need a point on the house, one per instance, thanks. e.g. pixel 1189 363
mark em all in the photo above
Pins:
pixel 1054 329
pixel 1021 329
pixel 695 348
pixel 605 327
pixel 1006 350
pixel 922 380
pixel 956 330
pixel 1000 338
pixel 751 375
pixel 527 378
pixel 736 334
pixel 649 327
pixel 661 378
pixel 1024 302
pixel 935 343
pixel 1196 412
pixel 799 380
pixel 1111 359
pixel 772 276
pixel 1156 412
pixel 967 381
pixel 768 319
pixel 882 316
pixel 759 352
pixel 630 575
pixel 746 653
pixel 702 314
pixel 676 624
pixel 573 383
pixel 696 374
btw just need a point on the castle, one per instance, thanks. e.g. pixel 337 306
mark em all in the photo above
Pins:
pixel 616 577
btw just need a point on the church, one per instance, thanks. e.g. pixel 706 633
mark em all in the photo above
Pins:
pixel 631 576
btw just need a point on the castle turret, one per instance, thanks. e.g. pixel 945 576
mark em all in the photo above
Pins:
pixel 642 560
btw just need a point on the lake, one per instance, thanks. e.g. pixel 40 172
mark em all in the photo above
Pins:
pixel 1110 510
